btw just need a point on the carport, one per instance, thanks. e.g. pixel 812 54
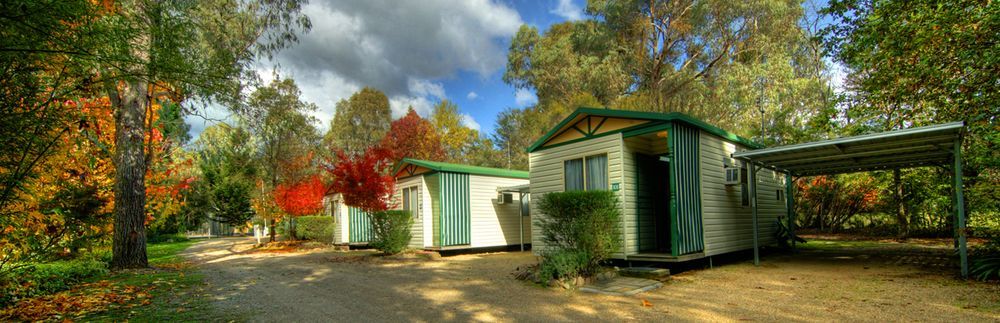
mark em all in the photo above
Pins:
pixel 937 145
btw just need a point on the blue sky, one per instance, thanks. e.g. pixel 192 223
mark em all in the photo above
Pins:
pixel 417 52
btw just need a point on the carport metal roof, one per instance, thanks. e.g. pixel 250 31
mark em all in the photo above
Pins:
pixel 914 147
pixel 937 145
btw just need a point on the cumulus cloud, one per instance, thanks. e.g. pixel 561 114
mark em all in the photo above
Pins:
pixel 524 97
pixel 468 121
pixel 471 96
pixel 568 10
pixel 402 48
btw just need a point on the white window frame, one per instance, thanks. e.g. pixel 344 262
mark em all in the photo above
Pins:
pixel 607 170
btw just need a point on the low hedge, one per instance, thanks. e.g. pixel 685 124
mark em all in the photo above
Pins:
pixel 580 226
pixel 391 230
pixel 47 278
pixel 317 228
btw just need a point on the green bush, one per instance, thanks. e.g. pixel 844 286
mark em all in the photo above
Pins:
pixel 391 230
pixel 581 222
pixel 47 278
pixel 563 264
pixel 986 260
pixel 318 228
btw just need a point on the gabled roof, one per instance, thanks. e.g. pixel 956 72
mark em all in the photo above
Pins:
pixel 652 116
pixel 913 147
pixel 459 168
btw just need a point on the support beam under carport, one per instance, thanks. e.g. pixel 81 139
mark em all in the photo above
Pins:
pixel 752 178
pixel 963 253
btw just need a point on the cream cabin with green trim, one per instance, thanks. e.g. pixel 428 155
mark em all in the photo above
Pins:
pixel 669 173
pixel 456 206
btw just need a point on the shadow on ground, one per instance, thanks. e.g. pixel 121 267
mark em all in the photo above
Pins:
pixel 809 286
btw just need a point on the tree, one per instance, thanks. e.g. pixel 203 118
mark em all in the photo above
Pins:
pixel 285 137
pixel 301 198
pixel 202 50
pixel 364 180
pixel 456 138
pixel 225 187
pixel 414 137
pixel 916 63
pixel 360 122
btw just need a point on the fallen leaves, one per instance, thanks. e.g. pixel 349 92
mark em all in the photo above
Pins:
pixel 646 303
pixel 85 298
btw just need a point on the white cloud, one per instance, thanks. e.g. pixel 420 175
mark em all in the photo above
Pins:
pixel 567 9
pixel 524 97
pixel 402 48
pixel 426 88
pixel 470 122
pixel 471 96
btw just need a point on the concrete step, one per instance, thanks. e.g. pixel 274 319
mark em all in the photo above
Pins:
pixel 646 272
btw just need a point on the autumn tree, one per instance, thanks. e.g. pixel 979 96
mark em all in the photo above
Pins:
pixel 360 122
pixel 414 137
pixel 364 180
pixel 456 138
pixel 285 137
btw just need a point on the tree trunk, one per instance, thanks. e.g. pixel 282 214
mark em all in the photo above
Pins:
pixel 129 242
pixel 901 218
pixel 271 232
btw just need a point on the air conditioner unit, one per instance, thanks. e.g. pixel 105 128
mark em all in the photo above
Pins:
pixel 732 176
pixel 504 198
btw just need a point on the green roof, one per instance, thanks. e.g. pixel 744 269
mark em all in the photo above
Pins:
pixel 655 116
pixel 459 168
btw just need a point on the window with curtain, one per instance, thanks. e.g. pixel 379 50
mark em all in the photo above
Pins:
pixel 597 172
pixel 410 202
pixel 589 173
pixel 573 180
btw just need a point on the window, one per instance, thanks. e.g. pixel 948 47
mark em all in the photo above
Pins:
pixel 588 173
pixel 779 193
pixel 410 202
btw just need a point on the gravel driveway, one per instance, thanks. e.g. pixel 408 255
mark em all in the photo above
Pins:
pixel 315 286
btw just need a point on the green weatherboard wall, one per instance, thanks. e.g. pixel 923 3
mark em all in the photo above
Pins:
pixel 455 225
pixel 685 183
pixel 359 225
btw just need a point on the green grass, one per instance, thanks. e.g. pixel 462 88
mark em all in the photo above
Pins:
pixel 817 244
pixel 178 294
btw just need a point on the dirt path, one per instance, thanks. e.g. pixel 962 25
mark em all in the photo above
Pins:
pixel 311 286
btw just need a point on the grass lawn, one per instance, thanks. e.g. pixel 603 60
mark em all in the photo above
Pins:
pixel 169 291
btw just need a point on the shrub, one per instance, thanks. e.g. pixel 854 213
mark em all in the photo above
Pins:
pixel 986 260
pixel 391 230
pixel 318 228
pixel 585 222
pixel 47 278
pixel 563 264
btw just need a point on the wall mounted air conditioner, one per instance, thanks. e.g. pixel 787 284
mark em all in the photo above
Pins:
pixel 732 176
pixel 504 198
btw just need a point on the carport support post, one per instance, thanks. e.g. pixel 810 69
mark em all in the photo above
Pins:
pixel 752 178
pixel 963 252
pixel 790 206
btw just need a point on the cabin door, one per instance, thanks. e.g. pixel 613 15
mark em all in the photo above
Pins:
pixel 653 203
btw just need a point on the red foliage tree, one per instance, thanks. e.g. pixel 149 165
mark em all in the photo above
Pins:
pixel 364 180
pixel 301 198
pixel 414 137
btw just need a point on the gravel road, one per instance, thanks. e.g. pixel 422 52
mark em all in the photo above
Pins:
pixel 319 285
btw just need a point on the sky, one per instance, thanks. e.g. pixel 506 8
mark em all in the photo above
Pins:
pixel 416 52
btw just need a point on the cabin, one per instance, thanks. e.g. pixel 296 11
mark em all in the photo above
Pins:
pixel 683 196
pixel 351 226
pixel 461 206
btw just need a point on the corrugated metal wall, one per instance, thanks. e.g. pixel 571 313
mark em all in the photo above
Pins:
pixel 360 226
pixel 685 142
pixel 455 214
